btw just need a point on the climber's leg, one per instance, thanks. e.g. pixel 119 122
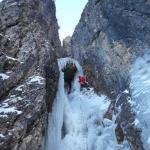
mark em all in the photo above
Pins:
pixel 69 89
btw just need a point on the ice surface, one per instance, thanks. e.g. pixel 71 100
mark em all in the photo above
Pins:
pixel 76 121
pixel 55 119
pixel 83 118
pixel 140 85
pixel 63 61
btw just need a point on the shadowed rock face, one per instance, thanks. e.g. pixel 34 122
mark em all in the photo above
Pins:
pixel 29 45
pixel 108 38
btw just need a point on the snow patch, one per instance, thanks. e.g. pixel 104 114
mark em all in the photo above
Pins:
pixel 5 108
pixel 19 88
pixel 11 58
pixel 36 79
pixel 2 136
pixel 13 99
pixel 126 91
pixel 12 4
pixel 3 76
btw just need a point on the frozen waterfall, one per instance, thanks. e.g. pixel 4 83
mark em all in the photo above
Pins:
pixel 76 121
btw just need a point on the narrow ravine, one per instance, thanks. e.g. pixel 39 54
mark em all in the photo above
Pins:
pixel 76 122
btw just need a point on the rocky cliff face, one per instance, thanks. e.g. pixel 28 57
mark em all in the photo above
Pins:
pixel 111 34
pixel 29 45
pixel 67 46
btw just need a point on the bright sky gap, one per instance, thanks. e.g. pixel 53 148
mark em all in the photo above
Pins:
pixel 68 14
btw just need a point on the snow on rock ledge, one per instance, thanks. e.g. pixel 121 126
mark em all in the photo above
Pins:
pixel 36 79
pixel 25 101
pixel 3 76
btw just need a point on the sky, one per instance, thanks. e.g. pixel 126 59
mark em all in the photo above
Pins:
pixel 68 13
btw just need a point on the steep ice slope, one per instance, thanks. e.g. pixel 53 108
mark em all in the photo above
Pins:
pixel 76 122
pixel 55 121
pixel 83 119
pixel 140 85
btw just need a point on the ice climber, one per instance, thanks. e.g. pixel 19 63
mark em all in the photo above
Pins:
pixel 83 82
pixel 69 73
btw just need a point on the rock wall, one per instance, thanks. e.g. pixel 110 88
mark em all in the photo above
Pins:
pixel 110 35
pixel 29 45
pixel 67 46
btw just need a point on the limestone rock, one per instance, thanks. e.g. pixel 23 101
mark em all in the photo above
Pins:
pixel 67 46
pixel 110 35
pixel 29 45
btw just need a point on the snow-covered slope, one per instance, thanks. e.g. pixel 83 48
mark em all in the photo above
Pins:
pixel 76 122
pixel 140 85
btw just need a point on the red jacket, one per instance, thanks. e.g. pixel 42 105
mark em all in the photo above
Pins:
pixel 82 80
